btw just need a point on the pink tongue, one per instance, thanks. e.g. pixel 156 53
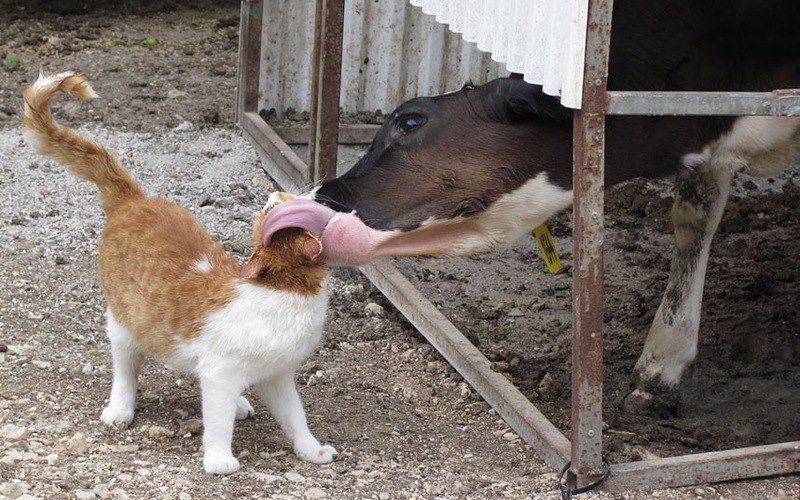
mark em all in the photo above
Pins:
pixel 348 241
pixel 304 214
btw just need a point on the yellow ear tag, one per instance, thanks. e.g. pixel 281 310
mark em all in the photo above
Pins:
pixel 548 248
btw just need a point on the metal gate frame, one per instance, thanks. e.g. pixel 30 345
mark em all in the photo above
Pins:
pixel 584 449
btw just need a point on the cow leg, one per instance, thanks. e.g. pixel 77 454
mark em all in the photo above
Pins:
pixel 701 192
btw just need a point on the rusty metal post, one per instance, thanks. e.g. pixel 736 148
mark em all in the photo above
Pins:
pixel 588 185
pixel 326 78
pixel 249 57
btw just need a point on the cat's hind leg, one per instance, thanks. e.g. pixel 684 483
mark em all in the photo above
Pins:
pixel 127 364
pixel 244 409
pixel 280 395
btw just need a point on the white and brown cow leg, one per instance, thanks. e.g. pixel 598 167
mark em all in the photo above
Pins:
pixel 701 192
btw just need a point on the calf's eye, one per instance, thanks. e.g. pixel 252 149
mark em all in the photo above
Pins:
pixel 410 122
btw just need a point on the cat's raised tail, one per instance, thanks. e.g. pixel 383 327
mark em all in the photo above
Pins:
pixel 83 157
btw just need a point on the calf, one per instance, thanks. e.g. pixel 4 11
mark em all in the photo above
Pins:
pixel 473 170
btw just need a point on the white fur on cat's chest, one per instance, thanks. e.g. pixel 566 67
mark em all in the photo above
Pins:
pixel 262 332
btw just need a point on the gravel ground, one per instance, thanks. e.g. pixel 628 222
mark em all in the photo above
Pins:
pixel 405 423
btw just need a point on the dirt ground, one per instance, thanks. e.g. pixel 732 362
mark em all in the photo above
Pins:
pixel 405 423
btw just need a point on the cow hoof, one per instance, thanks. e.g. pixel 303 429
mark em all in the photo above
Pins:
pixel 656 403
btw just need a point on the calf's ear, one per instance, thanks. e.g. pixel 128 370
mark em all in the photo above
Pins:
pixel 526 102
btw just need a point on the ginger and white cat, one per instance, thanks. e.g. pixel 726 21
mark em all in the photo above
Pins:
pixel 174 294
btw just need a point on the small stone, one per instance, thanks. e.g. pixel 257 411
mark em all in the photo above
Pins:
pixel 406 356
pixel 510 436
pixel 192 426
pixel 314 493
pixel 184 126
pixel 463 390
pixel 432 489
pixel 3 347
pixel 87 369
pixel 700 492
pixel 42 365
pixel 374 309
pixel 84 494
pixel 176 94
pixel 383 495
pixel 184 496
pixel 12 490
pixel 55 41
pixel 408 392
pixel 267 478
pixel 294 477
pixel 77 444
pixel 52 459
pixel 61 260
pixel 516 312
pixel 499 366
pixel 157 431
pixel 263 182
pixel 12 432
pixel 546 383
pixel 102 491
pixel 244 455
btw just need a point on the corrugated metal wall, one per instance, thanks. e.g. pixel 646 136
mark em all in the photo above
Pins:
pixel 392 52
pixel 543 39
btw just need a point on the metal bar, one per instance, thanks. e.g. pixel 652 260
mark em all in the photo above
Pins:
pixel 526 420
pixel 348 134
pixel 777 103
pixel 311 133
pixel 712 467
pixel 288 170
pixel 587 289
pixel 249 58
pixel 328 76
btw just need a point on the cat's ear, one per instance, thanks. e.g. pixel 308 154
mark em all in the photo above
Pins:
pixel 253 268
pixel 310 246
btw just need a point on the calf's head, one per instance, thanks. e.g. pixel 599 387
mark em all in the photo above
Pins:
pixel 458 173
pixel 455 155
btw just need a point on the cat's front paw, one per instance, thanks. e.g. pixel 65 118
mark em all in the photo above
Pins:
pixel 117 417
pixel 220 464
pixel 315 453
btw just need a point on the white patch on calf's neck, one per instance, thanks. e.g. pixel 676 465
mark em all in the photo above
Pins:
pixel 515 213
